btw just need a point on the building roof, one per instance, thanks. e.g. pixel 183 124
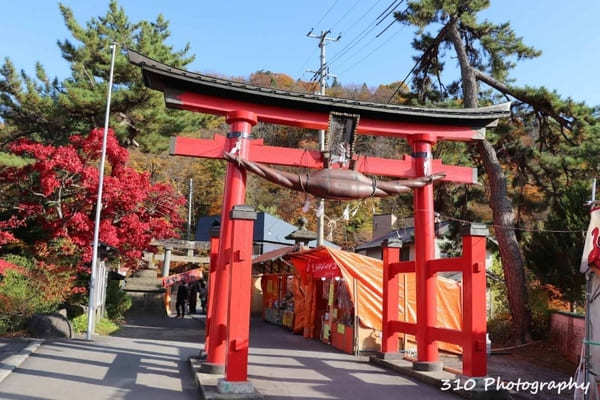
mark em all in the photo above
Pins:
pixel 172 80
pixel 274 254
pixel 407 235
pixel 267 229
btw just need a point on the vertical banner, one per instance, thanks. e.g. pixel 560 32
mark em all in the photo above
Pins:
pixel 591 249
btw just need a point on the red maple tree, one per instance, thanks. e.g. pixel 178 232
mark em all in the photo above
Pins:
pixel 56 194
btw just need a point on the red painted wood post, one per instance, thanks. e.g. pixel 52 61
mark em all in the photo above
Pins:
pixel 240 293
pixel 241 123
pixel 214 251
pixel 391 290
pixel 282 287
pixel 474 300
pixel 427 349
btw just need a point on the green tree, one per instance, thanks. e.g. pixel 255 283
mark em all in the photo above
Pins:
pixel 555 256
pixel 486 53
pixel 52 110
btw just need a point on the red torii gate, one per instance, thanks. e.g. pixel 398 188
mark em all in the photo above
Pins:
pixel 244 105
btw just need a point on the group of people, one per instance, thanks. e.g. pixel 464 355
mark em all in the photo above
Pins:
pixel 188 294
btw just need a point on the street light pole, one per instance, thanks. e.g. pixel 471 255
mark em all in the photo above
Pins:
pixel 93 279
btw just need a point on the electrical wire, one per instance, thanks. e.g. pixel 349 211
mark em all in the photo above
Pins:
pixel 370 53
pixel 385 29
pixel 389 12
pixel 353 6
pixel 326 13
pixel 356 23
pixel 514 228
pixel 302 71
pixel 403 82
pixel 384 11
pixel 345 50
pixel 362 35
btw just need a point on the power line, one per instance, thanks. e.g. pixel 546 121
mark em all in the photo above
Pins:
pixel 389 12
pixel 302 71
pixel 385 29
pixel 347 48
pixel 388 7
pixel 356 22
pixel 345 14
pixel 403 82
pixel 370 53
pixel 365 32
pixel 435 43
pixel 514 228
pixel 327 12
pixel 360 50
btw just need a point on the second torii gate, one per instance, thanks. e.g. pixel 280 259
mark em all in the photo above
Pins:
pixel 244 105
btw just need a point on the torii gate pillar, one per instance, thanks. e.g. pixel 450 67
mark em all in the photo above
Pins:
pixel 241 123
pixel 214 232
pixel 427 349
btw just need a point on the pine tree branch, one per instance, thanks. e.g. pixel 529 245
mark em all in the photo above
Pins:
pixel 505 89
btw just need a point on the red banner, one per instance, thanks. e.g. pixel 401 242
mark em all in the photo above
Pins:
pixel 591 250
pixel 188 276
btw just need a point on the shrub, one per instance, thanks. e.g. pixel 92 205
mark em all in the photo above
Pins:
pixel 500 329
pixel 540 311
pixel 117 301
pixel 34 289
pixel 104 326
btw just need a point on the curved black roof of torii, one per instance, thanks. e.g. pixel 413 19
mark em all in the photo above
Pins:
pixel 162 77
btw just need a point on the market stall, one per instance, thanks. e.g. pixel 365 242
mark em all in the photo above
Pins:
pixel 336 296
pixel 277 286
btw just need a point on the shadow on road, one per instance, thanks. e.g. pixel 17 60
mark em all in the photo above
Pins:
pixel 146 359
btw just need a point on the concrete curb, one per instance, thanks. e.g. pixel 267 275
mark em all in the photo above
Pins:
pixel 434 378
pixel 207 385
pixel 12 362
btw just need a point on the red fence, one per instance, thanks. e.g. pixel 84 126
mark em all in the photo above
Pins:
pixel 472 337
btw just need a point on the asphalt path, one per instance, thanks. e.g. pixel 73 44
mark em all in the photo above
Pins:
pixel 147 359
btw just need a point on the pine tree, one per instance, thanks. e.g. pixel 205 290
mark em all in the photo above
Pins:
pixel 52 110
pixel 486 52
pixel 555 256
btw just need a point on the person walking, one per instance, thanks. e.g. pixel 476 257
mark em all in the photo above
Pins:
pixel 193 298
pixel 203 296
pixel 182 296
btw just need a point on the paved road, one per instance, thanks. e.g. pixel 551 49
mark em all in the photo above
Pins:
pixel 147 360
pixel 285 366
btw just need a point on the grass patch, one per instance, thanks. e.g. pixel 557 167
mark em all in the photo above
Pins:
pixel 104 326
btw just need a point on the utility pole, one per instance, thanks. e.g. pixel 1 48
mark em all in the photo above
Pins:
pixel 323 73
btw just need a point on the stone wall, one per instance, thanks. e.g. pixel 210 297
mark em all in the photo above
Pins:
pixel 567 331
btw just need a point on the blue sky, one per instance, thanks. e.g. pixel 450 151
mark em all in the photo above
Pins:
pixel 240 37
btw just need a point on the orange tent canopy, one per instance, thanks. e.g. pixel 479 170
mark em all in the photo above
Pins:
pixel 368 273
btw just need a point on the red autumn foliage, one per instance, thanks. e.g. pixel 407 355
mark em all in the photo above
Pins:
pixel 5 266
pixel 58 191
